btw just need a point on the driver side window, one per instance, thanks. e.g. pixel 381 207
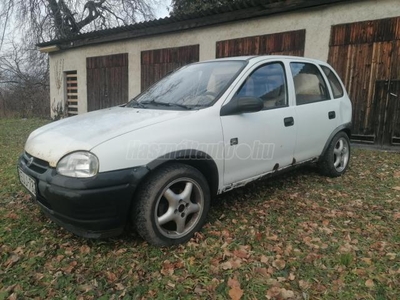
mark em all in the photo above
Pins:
pixel 268 83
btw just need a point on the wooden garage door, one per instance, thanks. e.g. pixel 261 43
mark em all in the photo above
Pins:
pixel 367 56
pixel 285 43
pixel 156 64
pixel 107 81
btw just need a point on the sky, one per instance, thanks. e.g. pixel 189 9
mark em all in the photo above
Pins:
pixel 162 11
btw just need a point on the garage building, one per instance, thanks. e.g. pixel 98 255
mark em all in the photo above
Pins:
pixel 359 38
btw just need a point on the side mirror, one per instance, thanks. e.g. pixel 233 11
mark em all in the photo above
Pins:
pixel 240 105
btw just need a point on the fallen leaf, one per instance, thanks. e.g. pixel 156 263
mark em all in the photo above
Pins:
pixel 70 267
pixel 231 264
pixel 85 249
pixel 273 292
pixel 273 237
pixel 304 285
pixel 111 276
pixel 199 290
pixel 167 268
pixel 262 271
pixel 11 261
pixel 13 296
pixel 369 283
pixel 120 287
pixel 279 264
pixel 391 256
pixel 367 260
pixel 12 216
pixel 380 246
pixel 396 188
pixel 38 276
pixel 226 265
pixel 240 253
pixel 286 294
pixel 85 288
pixel 235 292
pixel 59 257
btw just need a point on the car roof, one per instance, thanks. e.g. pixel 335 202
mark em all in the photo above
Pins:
pixel 256 58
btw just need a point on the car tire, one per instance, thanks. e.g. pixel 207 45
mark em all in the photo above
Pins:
pixel 171 205
pixel 336 159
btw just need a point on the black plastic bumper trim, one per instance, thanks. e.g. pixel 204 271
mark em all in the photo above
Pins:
pixel 94 207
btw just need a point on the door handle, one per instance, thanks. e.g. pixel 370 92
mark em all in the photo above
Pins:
pixel 332 115
pixel 289 121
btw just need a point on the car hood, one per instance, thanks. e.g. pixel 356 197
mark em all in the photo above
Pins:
pixel 83 132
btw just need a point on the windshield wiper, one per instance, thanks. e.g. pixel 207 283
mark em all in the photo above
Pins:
pixel 137 104
pixel 166 104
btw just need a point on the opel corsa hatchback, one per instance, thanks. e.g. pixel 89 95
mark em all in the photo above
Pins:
pixel 203 130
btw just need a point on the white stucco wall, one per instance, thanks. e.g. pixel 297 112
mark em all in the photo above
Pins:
pixel 317 22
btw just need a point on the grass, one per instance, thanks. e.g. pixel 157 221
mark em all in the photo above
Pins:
pixel 298 236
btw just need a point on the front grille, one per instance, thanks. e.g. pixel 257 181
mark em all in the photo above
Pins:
pixel 35 164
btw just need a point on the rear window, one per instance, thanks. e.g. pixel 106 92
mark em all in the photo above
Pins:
pixel 334 82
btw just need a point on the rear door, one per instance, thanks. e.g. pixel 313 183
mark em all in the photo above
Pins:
pixel 316 110
pixel 258 143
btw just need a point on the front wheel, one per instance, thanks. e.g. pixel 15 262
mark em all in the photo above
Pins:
pixel 171 205
pixel 336 159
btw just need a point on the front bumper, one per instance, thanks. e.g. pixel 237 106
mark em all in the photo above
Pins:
pixel 94 207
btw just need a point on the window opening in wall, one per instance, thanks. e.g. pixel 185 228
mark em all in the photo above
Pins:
pixel 72 93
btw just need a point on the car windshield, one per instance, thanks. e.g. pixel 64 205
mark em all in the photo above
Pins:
pixel 191 87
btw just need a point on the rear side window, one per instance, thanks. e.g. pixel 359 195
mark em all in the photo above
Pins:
pixel 309 84
pixel 337 88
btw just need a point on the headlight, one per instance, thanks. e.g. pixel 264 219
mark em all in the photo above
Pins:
pixel 78 164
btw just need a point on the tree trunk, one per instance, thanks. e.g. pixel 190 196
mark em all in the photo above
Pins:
pixel 57 17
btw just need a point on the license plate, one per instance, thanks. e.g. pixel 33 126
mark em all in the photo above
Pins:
pixel 28 182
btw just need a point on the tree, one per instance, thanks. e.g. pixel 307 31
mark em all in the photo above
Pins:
pixel 56 19
pixel 24 23
pixel 192 6
pixel 23 83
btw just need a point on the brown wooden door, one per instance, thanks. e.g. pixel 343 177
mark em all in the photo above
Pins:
pixel 155 64
pixel 395 103
pixel 284 43
pixel 367 57
pixel 107 81
pixel 387 117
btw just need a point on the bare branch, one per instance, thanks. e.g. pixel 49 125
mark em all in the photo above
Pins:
pixel 6 18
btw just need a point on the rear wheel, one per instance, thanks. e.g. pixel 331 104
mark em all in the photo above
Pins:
pixel 336 159
pixel 172 205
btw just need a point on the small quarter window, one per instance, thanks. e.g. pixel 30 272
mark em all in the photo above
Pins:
pixel 309 84
pixel 268 83
pixel 337 88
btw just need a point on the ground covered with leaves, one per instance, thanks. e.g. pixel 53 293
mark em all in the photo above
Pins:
pixel 297 236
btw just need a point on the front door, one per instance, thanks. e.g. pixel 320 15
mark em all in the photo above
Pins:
pixel 258 143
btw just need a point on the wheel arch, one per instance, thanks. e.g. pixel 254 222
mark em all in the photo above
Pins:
pixel 346 128
pixel 195 158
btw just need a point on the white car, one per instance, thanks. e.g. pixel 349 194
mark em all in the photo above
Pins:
pixel 205 129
